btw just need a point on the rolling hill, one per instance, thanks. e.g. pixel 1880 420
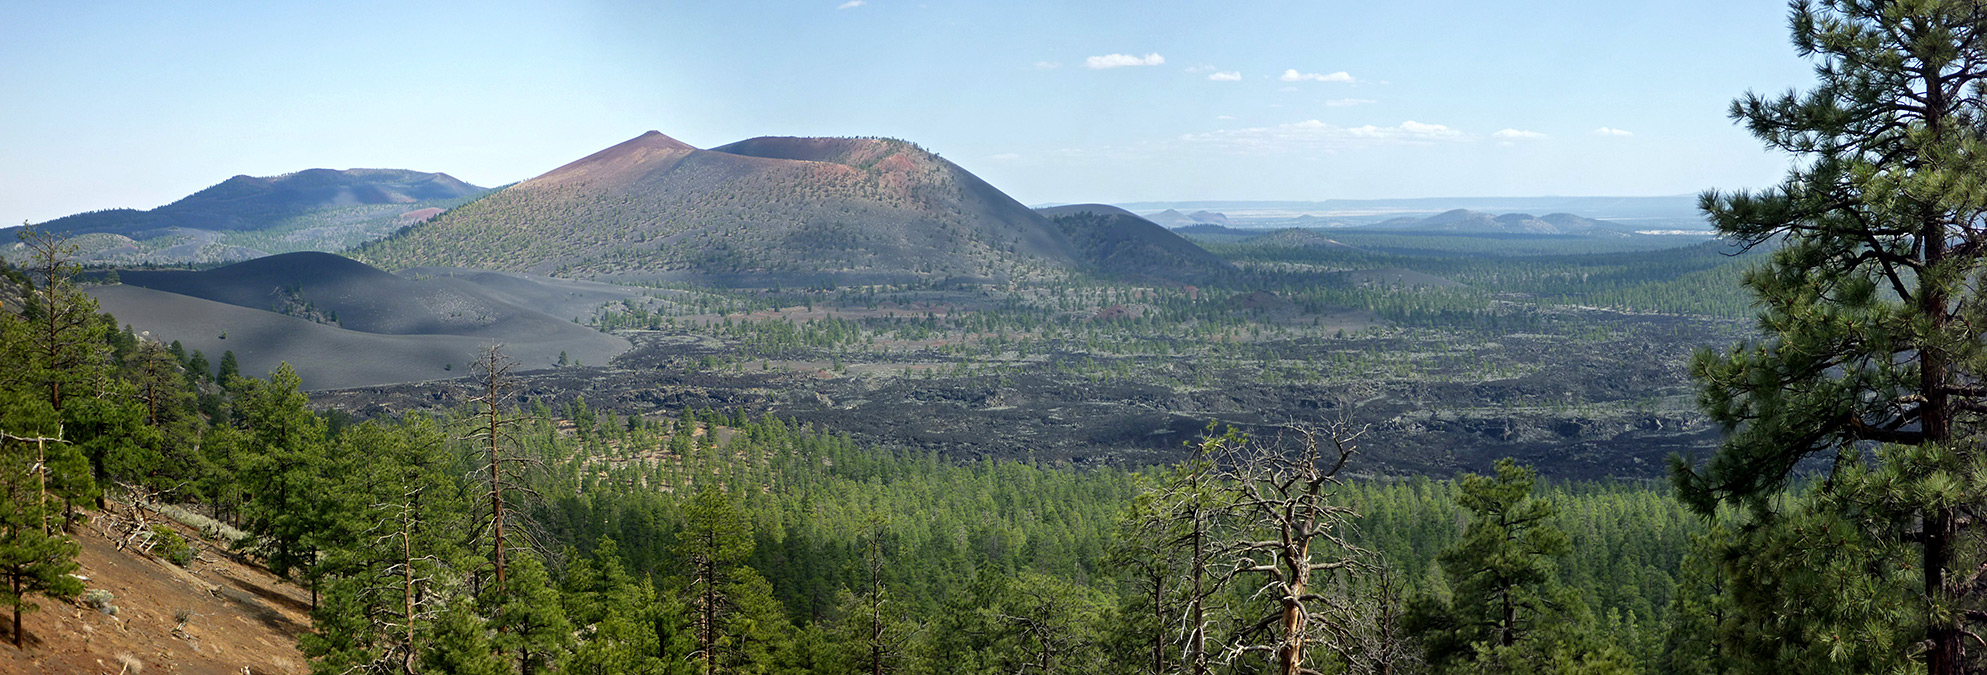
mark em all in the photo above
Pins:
pixel 771 211
pixel 248 216
pixel 341 323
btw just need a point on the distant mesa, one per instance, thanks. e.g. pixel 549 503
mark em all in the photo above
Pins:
pixel 768 211
pixel 1173 219
pixel 1467 221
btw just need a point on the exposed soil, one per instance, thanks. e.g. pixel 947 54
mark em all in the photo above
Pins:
pixel 240 619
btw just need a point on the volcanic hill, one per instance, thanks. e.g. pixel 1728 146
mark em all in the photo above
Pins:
pixel 1114 242
pixel 767 211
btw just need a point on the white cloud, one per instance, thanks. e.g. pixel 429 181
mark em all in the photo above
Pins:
pixel 1123 60
pixel 1224 117
pixel 1047 65
pixel 1517 135
pixel 851 4
pixel 1611 131
pixel 1315 135
pixel 1230 76
pixel 1005 157
pixel 1348 102
pixel 1292 75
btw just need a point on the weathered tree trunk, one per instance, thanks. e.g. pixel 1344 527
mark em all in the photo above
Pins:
pixel 16 578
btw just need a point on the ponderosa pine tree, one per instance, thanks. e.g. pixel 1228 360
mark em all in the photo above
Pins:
pixel 390 582
pixel 1507 604
pixel 531 626
pixel 295 486
pixel 36 557
pixel 1871 361
pixel 1151 566
pixel 871 625
pixel 715 541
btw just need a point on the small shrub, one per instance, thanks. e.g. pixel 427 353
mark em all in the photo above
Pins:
pixel 100 599
pixel 170 546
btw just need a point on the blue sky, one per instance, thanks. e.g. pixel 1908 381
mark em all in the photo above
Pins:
pixel 136 104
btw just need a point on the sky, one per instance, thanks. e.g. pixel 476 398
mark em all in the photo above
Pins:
pixel 136 104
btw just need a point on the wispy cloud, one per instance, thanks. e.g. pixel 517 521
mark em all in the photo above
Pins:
pixel 1047 65
pixel 1315 135
pixel 1292 75
pixel 851 4
pixel 1230 76
pixel 1123 60
pixel 1611 131
pixel 1348 102
pixel 1005 157
pixel 1517 135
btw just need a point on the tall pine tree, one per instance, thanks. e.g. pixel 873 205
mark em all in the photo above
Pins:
pixel 1870 319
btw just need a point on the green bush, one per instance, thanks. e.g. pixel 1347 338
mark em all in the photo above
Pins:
pixel 169 545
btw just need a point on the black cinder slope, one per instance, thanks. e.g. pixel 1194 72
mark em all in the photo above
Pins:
pixel 333 289
pixel 343 323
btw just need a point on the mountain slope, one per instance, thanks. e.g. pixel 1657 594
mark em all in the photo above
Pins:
pixel 249 216
pixel 766 211
pixel 1114 242
pixel 215 616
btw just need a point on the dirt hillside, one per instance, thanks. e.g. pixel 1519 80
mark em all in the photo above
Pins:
pixel 239 618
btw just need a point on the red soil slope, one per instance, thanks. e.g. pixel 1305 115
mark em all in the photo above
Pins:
pixel 240 619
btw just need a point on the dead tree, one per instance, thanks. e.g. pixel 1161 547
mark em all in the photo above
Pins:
pixel 1289 531
pixel 501 466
